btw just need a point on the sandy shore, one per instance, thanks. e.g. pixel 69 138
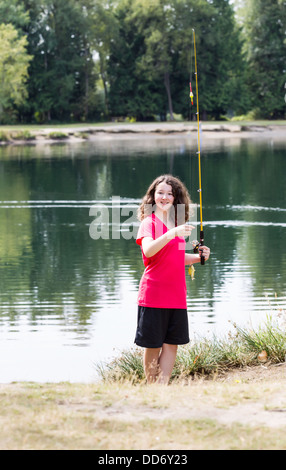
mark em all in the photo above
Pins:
pixel 155 130
pixel 166 129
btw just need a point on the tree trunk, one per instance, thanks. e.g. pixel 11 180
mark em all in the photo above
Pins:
pixel 102 75
pixel 86 86
pixel 168 89
pixel 46 69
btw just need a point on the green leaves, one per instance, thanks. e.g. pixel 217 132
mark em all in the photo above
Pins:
pixel 163 62
pixel 95 59
pixel 14 62
pixel 264 29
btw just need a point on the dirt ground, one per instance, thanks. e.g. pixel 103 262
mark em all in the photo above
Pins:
pixel 267 409
pixel 250 396
pixel 243 409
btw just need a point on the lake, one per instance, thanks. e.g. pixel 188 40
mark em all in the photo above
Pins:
pixel 68 300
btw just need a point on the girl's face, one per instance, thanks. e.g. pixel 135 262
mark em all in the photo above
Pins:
pixel 164 196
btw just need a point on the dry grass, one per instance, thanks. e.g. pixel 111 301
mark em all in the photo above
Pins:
pixel 244 410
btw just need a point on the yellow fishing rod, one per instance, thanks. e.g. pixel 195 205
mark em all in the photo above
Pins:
pixel 201 242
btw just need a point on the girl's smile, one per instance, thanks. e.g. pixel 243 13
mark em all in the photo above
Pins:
pixel 163 196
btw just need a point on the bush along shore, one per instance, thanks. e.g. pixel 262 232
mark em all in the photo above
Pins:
pixel 208 357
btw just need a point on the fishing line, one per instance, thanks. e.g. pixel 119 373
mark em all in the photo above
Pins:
pixel 201 242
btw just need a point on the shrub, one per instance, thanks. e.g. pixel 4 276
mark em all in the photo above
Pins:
pixel 57 135
pixel 3 137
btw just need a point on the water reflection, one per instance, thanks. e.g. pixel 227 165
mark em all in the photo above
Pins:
pixel 67 301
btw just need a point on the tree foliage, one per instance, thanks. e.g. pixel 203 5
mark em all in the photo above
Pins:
pixel 61 71
pixel 155 49
pixel 13 12
pixel 14 62
pixel 265 26
pixel 95 59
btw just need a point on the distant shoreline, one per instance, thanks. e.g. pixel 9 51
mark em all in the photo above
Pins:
pixel 80 132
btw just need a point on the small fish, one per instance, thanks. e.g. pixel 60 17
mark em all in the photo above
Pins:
pixel 192 272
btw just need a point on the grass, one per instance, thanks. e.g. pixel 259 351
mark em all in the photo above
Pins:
pixel 122 416
pixel 22 134
pixel 57 135
pixel 38 127
pixel 205 357
pixel 14 135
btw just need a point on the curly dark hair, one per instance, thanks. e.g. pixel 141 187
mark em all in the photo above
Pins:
pixel 180 193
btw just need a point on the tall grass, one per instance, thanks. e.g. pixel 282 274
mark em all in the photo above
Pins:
pixel 128 366
pixel 203 356
pixel 10 136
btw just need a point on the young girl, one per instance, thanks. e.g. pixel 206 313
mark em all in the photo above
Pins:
pixel 162 299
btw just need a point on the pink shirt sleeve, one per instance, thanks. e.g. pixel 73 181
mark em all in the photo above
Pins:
pixel 146 229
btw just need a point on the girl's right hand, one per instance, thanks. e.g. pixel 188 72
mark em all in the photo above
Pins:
pixel 151 247
pixel 184 230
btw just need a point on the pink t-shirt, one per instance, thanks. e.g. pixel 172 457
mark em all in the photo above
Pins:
pixel 163 284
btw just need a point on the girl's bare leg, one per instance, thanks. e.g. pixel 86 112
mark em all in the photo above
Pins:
pixel 159 363
pixel 166 362
pixel 150 362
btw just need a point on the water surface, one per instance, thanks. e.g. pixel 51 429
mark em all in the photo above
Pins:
pixel 68 301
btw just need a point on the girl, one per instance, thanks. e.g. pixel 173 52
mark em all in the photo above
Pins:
pixel 162 322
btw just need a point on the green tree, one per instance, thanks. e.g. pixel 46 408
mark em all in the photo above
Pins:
pixel 62 69
pixel 221 66
pixel 159 33
pixel 132 92
pixel 14 62
pixel 190 15
pixel 13 12
pixel 154 53
pixel 225 80
pixel 265 26
pixel 103 29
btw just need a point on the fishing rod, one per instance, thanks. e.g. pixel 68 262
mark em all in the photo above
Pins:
pixel 201 242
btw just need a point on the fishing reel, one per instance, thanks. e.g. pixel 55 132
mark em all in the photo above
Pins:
pixel 197 247
pixel 197 250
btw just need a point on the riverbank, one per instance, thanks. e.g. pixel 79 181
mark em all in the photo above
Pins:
pixel 243 409
pixel 237 405
pixel 81 132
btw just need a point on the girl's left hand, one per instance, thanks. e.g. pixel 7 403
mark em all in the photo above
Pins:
pixel 205 251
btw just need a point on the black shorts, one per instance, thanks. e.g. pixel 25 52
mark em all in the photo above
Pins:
pixel 156 326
